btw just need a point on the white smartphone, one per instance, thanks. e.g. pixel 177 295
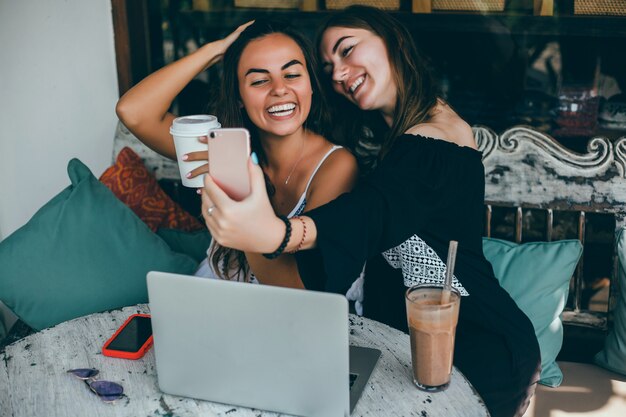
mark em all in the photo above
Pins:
pixel 229 150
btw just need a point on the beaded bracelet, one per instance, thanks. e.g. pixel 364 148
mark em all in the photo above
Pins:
pixel 285 241
pixel 303 235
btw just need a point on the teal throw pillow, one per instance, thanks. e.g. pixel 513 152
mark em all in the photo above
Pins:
pixel 613 356
pixel 84 251
pixel 537 276
pixel 194 244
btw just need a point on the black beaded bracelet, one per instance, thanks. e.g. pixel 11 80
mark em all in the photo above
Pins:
pixel 285 241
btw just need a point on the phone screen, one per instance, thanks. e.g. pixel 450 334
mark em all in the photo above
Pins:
pixel 133 335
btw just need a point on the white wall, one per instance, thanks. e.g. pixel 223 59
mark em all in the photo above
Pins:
pixel 58 89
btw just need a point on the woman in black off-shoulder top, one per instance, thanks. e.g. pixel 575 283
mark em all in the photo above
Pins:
pixel 427 188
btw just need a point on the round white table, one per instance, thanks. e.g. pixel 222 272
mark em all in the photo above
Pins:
pixel 34 382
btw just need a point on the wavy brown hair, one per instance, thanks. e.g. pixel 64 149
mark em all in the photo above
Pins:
pixel 231 114
pixel 417 91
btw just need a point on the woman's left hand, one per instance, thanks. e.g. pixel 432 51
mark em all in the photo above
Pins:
pixel 249 225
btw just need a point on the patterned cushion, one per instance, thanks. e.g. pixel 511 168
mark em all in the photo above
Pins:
pixel 136 187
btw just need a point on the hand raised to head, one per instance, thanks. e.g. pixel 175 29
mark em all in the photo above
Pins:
pixel 228 40
pixel 222 45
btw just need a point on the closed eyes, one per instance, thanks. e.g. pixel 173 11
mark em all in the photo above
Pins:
pixel 291 76
pixel 327 67
pixel 346 51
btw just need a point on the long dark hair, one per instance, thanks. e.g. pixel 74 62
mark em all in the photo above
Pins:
pixel 417 91
pixel 231 114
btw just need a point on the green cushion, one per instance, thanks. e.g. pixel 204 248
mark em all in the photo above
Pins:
pixel 84 251
pixel 537 276
pixel 194 244
pixel 613 356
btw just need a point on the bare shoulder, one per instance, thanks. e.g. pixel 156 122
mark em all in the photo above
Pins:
pixel 337 175
pixel 446 125
pixel 339 161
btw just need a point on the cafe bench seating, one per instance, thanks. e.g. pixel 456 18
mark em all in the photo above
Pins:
pixel 537 189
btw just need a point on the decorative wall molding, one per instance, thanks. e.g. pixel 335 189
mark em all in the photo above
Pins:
pixel 620 155
pixel 528 168
pixel 486 139
pixel 522 139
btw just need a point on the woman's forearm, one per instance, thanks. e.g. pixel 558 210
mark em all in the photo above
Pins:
pixel 144 108
pixel 282 271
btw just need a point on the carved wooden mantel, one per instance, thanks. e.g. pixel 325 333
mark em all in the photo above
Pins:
pixel 530 169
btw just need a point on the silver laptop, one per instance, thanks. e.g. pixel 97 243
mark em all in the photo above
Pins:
pixel 258 346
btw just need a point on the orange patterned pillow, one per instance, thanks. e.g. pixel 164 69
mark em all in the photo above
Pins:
pixel 136 187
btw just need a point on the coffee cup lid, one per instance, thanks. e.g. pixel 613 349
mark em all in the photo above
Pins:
pixel 194 125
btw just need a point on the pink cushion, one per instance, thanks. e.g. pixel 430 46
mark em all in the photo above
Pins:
pixel 587 391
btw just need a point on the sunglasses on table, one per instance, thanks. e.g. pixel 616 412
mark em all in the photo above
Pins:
pixel 107 391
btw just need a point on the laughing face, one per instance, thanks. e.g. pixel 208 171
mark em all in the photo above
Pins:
pixel 274 85
pixel 358 63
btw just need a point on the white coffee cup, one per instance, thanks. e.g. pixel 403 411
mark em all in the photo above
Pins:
pixel 186 130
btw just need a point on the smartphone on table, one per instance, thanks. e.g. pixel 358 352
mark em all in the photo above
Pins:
pixel 229 150
pixel 132 340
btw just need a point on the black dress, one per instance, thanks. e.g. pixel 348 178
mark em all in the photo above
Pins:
pixel 400 219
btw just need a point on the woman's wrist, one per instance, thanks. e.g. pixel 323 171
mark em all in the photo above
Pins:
pixel 273 236
pixel 303 237
pixel 283 244
pixel 212 52
pixel 303 234
pixel 219 47
pixel 296 234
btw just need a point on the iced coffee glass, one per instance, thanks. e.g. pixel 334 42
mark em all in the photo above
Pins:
pixel 432 326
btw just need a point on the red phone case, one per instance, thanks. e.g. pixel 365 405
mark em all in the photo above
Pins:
pixel 127 355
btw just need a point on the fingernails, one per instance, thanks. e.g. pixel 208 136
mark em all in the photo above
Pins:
pixel 255 159
pixel 188 175
pixel 185 157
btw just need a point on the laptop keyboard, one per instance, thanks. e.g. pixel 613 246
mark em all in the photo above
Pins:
pixel 352 379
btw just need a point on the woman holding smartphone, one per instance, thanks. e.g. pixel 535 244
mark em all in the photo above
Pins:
pixel 269 86
pixel 427 189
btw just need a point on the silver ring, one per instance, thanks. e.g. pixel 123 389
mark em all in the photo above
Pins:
pixel 209 211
